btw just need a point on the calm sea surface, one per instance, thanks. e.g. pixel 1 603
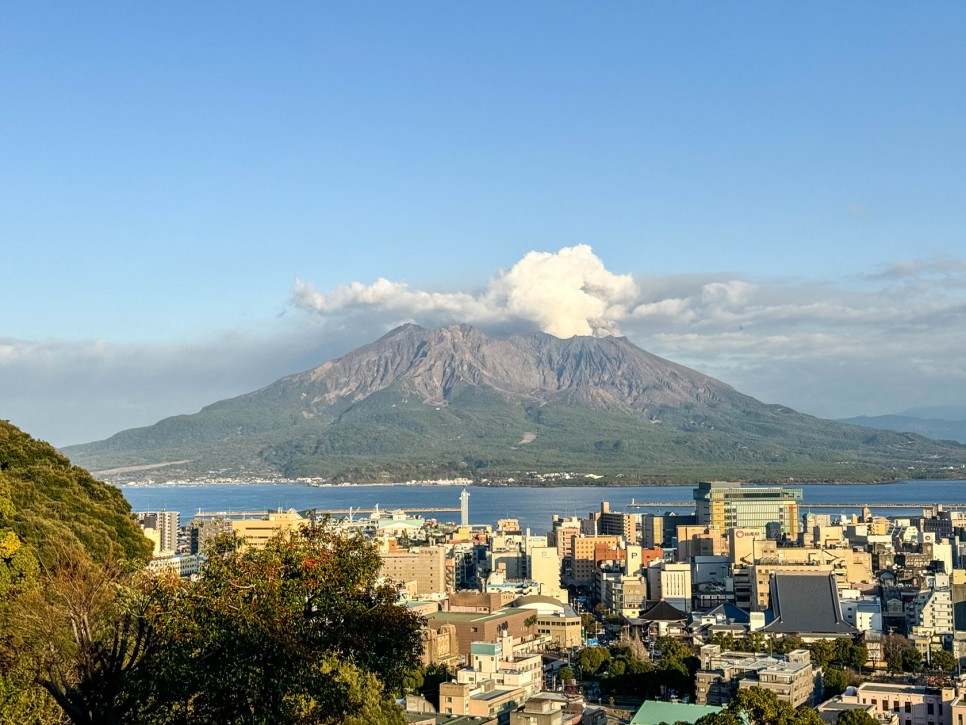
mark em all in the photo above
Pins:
pixel 534 507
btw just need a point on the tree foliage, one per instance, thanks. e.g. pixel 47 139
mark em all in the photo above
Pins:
pixel 856 717
pixel 757 706
pixel 47 502
pixel 290 629
pixel 297 632
pixel 834 681
pixel 942 660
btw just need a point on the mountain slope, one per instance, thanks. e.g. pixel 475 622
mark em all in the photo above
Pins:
pixel 421 402
pixel 48 503
pixel 940 429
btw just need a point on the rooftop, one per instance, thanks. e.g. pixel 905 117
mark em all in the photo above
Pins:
pixel 654 712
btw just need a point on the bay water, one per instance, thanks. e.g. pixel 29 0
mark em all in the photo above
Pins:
pixel 533 507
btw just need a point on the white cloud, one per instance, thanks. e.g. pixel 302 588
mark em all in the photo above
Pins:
pixel 564 293
pixel 871 344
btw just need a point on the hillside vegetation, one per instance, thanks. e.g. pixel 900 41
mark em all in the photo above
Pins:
pixel 50 504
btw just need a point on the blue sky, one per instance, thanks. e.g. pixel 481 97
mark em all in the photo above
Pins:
pixel 168 172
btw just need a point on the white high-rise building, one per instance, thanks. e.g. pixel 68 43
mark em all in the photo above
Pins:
pixel 163 527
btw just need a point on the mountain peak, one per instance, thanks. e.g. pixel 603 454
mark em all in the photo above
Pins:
pixel 423 399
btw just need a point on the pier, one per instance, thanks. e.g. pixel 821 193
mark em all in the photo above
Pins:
pixel 323 512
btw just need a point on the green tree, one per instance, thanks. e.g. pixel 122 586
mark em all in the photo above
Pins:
pixel 756 706
pixel 725 640
pixel 911 659
pixel 788 643
pixel 565 675
pixel 823 652
pixel 942 660
pixel 433 676
pixel 298 631
pixel 530 622
pixel 834 681
pixel 856 717
pixel 592 659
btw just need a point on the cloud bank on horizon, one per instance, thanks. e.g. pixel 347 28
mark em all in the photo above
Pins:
pixel 875 343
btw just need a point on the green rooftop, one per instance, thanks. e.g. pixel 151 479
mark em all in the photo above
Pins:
pixel 654 712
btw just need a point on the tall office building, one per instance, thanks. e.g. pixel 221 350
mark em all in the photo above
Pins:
pixel 729 505
pixel 165 524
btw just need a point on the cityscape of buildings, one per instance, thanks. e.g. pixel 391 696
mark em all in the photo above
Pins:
pixel 507 609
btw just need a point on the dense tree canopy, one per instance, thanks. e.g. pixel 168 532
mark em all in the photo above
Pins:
pixel 297 632
pixel 757 706
pixel 49 502
pixel 289 630
pixel 856 717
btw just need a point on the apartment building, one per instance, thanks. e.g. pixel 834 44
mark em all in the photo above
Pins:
pixel 424 565
pixel 791 677
pixel 913 704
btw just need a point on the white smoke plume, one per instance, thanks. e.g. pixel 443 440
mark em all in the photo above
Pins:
pixel 565 293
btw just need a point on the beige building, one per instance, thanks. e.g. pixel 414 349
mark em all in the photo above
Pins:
pixel 850 567
pixel 587 551
pixel 440 645
pixel 543 565
pixel 562 535
pixel 791 677
pixel 538 711
pixel 914 705
pixel 258 532
pixel 699 540
pixel 424 565
pixel 495 682
pixel 616 523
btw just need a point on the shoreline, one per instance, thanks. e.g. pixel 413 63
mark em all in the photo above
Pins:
pixel 564 484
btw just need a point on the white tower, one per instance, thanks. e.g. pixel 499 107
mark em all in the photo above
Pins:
pixel 465 508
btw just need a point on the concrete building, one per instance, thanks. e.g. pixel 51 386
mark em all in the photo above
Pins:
pixel 652 531
pixel 931 611
pixel 671 583
pixel 617 523
pixel 587 551
pixel 440 645
pixel 861 611
pixel 543 566
pixel 791 677
pixel 483 626
pixel 424 565
pixel 914 705
pixel 165 525
pixel 202 531
pixel 700 540
pixel 562 535
pixel 256 533
pixel 555 620
pixel 495 682
pixel 729 505
pixel 538 711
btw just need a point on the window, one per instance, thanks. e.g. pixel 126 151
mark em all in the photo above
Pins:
pixel 908 707
pixel 930 708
